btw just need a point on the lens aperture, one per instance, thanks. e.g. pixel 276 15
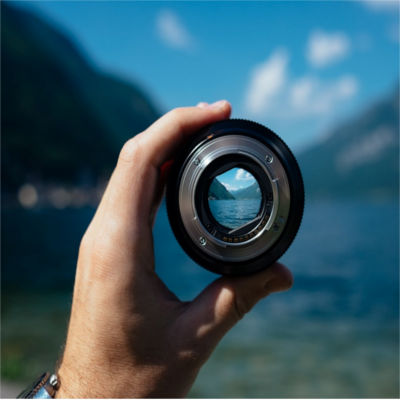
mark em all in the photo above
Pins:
pixel 234 198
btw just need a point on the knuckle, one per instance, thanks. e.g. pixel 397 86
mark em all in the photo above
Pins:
pixel 130 150
pixel 189 356
pixel 178 117
pixel 242 306
pixel 236 305
pixel 177 113
pixel 193 356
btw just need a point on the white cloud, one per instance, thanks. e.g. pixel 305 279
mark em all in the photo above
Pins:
pixel 172 31
pixel 242 175
pixel 311 96
pixel 302 92
pixel 228 186
pixel 327 48
pixel 290 99
pixel 266 81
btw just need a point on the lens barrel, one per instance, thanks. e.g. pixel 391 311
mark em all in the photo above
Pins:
pixel 194 193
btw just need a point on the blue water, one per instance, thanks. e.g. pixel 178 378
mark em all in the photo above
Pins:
pixel 334 334
pixel 234 213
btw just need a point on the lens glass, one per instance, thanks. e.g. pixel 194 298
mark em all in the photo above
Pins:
pixel 234 198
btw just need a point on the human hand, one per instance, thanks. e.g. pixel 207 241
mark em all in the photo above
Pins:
pixel 128 335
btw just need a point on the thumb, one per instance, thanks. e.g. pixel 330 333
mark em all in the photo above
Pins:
pixel 223 303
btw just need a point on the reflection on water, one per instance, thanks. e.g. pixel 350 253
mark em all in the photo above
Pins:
pixel 334 334
pixel 234 213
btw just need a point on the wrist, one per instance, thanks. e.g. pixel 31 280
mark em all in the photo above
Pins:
pixel 84 382
pixel 74 385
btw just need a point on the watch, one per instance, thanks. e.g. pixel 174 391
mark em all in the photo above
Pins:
pixel 44 387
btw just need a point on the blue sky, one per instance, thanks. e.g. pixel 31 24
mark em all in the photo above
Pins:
pixel 298 67
pixel 236 178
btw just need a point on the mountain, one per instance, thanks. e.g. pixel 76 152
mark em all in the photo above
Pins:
pixel 250 192
pixel 218 191
pixel 62 119
pixel 360 157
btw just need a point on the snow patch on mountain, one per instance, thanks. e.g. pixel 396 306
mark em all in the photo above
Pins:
pixel 369 149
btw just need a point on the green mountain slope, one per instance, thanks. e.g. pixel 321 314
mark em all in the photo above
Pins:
pixel 217 191
pixel 250 192
pixel 359 158
pixel 62 119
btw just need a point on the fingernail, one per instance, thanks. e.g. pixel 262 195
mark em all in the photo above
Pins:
pixel 218 104
pixel 202 104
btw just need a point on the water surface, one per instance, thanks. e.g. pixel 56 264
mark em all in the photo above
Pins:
pixel 334 334
pixel 234 213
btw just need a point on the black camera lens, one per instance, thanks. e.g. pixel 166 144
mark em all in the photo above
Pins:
pixel 235 197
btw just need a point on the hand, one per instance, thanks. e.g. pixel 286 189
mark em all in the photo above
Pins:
pixel 128 335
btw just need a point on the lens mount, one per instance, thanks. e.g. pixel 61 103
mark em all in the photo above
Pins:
pixel 258 243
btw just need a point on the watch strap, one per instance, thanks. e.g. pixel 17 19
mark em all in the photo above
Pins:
pixel 44 387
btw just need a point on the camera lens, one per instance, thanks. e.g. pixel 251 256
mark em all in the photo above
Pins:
pixel 235 197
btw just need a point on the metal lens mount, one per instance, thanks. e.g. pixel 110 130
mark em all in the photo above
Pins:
pixel 256 244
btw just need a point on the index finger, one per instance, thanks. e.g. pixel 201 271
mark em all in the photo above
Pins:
pixel 131 190
pixel 162 138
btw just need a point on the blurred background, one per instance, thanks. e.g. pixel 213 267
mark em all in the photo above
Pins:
pixel 79 78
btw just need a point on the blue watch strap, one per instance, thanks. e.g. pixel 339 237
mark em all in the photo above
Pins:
pixel 42 393
pixel 43 388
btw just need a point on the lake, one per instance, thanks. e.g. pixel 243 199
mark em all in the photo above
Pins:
pixel 234 213
pixel 334 334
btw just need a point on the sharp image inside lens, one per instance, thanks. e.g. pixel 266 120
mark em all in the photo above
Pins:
pixel 234 198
